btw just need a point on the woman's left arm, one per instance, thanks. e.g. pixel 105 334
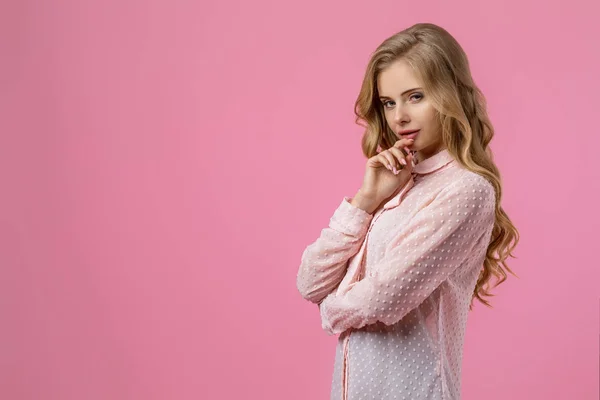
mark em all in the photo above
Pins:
pixel 437 240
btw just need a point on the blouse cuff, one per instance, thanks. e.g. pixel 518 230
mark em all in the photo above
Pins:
pixel 350 219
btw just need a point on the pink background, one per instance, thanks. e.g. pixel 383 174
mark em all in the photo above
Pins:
pixel 164 164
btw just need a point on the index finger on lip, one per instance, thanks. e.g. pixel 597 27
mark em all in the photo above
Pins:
pixel 402 143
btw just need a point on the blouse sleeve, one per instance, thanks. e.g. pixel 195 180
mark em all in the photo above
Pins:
pixel 324 262
pixel 435 242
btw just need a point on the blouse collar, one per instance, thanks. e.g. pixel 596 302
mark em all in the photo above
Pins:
pixel 431 164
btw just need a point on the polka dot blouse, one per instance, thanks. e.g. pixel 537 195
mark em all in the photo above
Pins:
pixel 396 285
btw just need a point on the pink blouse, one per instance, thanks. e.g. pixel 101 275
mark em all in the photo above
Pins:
pixel 397 285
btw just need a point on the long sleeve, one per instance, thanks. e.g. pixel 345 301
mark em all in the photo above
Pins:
pixel 435 242
pixel 324 262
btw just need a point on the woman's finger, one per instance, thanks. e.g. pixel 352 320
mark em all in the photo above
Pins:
pixel 390 160
pixel 402 144
pixel 399 156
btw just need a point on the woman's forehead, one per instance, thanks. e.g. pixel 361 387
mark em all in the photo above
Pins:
pixel 397 79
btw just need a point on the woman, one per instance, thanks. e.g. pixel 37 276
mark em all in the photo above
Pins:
pixel 397 269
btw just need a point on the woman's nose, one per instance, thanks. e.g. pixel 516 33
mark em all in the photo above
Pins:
pixel 400 115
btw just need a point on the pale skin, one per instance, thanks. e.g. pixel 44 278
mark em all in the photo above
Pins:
pixel 406 107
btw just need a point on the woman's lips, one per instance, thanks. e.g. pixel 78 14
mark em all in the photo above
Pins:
pixel 411 135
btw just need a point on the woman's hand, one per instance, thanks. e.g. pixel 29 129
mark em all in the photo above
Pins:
pixel 380 181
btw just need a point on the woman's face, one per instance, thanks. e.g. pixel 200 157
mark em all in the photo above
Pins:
pixel 407 107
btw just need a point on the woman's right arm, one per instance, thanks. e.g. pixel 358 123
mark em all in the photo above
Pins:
pixel 324 262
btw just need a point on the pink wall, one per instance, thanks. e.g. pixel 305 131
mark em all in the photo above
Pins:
pixel 164 164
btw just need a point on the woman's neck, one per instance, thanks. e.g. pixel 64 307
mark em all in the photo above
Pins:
pixel 425 153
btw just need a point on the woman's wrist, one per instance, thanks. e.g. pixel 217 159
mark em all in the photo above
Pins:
pixel 363 203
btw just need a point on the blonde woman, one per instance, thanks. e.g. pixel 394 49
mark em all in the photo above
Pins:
pixel 398 268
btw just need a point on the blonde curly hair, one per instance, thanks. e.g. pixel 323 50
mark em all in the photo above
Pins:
pixel 443 68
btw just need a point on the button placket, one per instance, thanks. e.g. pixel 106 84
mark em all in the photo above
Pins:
pixel 346 340
pixel 363 267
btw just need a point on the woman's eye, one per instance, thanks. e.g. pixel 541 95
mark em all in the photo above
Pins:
pixel 414 96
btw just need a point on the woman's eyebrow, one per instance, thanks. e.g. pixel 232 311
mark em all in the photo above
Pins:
pixel 403 93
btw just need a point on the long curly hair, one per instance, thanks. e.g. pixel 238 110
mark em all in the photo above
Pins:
pixel 442 66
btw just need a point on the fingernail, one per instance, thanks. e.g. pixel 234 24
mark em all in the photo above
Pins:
pixel 403 161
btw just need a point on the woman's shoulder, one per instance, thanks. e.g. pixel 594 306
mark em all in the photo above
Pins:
pixel 467 182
